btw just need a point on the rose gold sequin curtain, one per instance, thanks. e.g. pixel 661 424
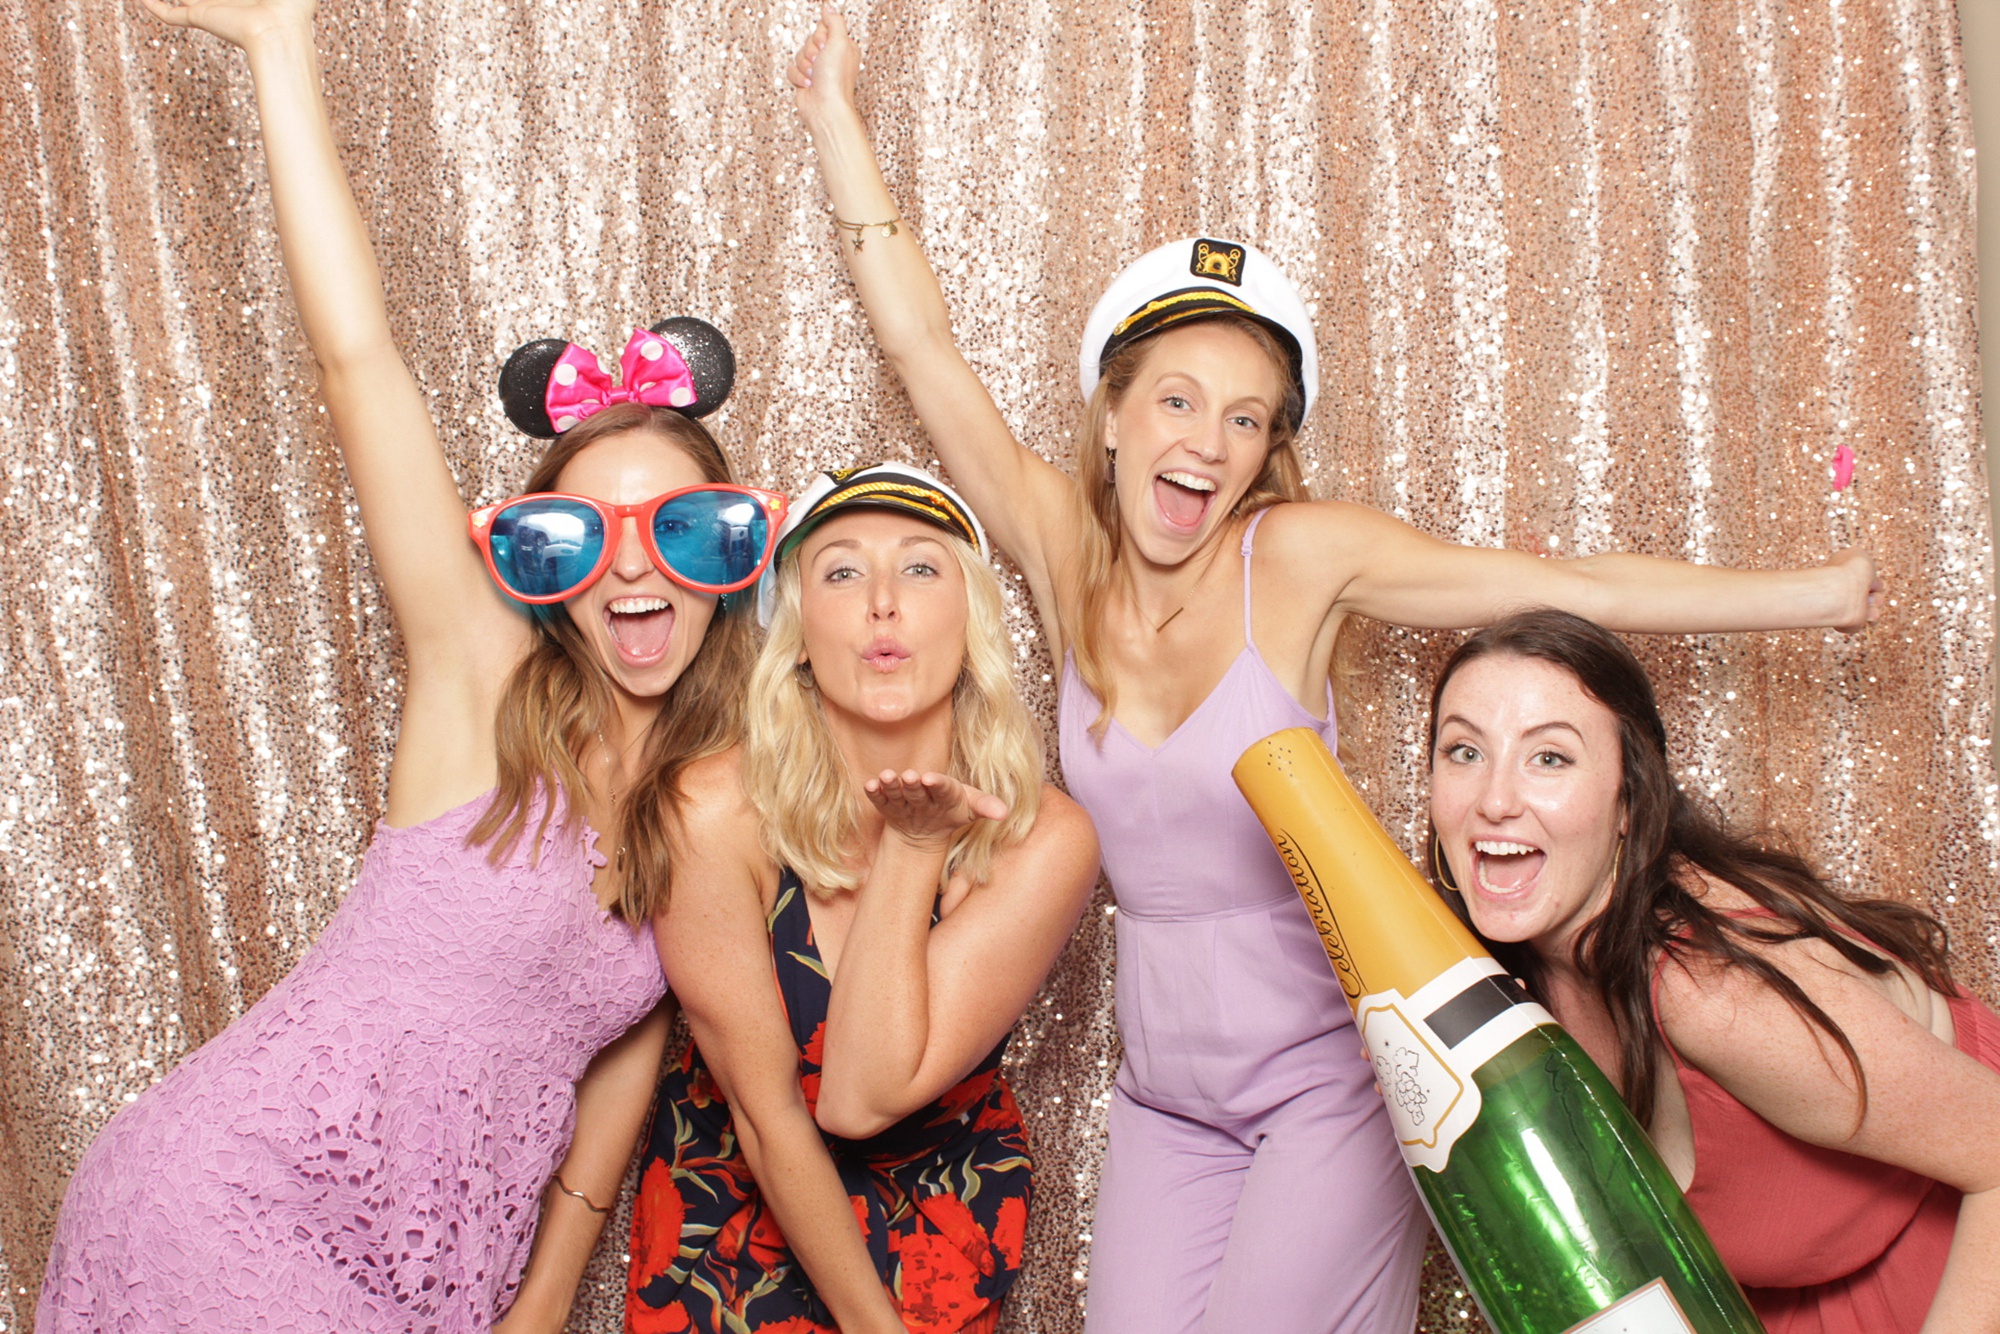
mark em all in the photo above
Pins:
pixel 1606 274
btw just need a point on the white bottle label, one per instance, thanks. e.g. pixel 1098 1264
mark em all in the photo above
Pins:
pixel 1650 1310
pixel 1426 1073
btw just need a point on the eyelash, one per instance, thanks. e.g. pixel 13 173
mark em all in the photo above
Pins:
pixel 1461 752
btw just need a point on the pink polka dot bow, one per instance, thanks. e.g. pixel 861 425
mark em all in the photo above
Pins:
pixel 651 368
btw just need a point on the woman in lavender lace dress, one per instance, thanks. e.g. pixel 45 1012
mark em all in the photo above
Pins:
pixel 369 1147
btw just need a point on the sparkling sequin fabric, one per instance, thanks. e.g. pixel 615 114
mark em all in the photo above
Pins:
pixel 365 1149
pixel 1588 275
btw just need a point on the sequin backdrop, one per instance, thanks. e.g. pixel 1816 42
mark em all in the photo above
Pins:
pixel 1608 274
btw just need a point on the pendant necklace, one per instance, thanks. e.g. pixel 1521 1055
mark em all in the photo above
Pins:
pixel 611 784
pixel 1199 580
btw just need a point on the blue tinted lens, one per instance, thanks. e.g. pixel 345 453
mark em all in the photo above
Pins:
pixel 715 538
pixel 545 548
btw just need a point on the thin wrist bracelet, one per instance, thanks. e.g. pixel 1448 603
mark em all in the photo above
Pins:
pixel 588 1203
pixel 857 228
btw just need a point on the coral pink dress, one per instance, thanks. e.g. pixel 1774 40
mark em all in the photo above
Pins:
pixel 365 1149
pixel 1824 1242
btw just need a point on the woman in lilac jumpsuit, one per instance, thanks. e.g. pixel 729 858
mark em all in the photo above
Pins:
pixel 1251 1181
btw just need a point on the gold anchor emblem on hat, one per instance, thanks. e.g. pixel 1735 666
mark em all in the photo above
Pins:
pixel 1218 259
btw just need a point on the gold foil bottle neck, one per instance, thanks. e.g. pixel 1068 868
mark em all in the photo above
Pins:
pixel 1382 924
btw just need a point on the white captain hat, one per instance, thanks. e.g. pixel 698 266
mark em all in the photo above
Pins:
pixel 1189 279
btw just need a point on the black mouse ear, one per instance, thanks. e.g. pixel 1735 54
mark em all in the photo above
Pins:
pixel 710 360
pixel 524 386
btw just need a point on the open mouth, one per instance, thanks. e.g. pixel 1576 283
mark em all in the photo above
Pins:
pixel 1183 499
pixel 641 628
pixel 1505 867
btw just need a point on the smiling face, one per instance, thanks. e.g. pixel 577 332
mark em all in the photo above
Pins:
pixel 1191 433
pixel 1525 798
pixel 643 627
pixel 883 611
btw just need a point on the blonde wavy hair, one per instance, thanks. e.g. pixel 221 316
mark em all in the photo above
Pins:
pixel 809 806
pixel 1281 479
pixel 558 698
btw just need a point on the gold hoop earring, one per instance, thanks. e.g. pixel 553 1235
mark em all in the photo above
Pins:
pixel 1617 860
pixel 1438 864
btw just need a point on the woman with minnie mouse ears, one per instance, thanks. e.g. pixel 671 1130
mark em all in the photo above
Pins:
pixel 1251 1180
pixel 369 1147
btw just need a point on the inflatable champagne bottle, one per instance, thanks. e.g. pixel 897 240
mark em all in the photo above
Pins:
pixel 1550 1197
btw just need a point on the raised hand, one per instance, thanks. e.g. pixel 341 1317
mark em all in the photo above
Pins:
pixel 238 22
pixel 930 808
pixel 1865 587
pixel 827 64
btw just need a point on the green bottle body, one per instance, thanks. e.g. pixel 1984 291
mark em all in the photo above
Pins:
pixel 1556 1207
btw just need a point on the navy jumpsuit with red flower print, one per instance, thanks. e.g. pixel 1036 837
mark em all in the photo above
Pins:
pixel 942 1196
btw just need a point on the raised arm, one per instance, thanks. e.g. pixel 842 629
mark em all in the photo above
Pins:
pixel 415 518
pixel 718 953
pixel 915 1008
pixel 611 1102
pixel 1351 558
pixel 1930 1108
pixel 1027 504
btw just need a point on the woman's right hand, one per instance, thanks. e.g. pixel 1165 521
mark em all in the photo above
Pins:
pixel 826 67
pixel 238 22
pixel 929 809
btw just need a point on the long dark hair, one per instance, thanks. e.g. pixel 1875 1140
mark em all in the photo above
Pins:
pixel 560 695
pixel 1651 913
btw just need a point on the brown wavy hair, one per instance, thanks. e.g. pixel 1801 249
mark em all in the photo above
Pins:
pixel 559 697
pixel 1651 914
pixel 1103 528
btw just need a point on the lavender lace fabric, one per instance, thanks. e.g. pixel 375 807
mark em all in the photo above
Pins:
pixel 365 1149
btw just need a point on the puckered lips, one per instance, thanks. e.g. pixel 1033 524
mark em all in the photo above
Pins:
pixel 885 654
pixel 1182 498
pixel 1505 867
pixel 642 628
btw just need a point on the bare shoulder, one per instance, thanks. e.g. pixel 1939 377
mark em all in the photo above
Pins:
pixel 1061 822
pixel 1706 1001
pixel 718 823
pixel 1324 544
pixel 712 791
pixel 1059 850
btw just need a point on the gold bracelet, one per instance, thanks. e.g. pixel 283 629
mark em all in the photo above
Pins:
pixel 595 1208
pixel 888 228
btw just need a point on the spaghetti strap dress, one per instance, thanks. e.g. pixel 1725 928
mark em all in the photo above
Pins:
pixel 1251 1181
pixel 941 1196
pixel 365 1148
pixel 1823 1242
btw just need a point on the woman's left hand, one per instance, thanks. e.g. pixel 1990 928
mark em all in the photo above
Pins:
pixel 1861 585
pixel 930 808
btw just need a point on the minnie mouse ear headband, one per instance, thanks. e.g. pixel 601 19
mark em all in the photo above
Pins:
pixel 1189 279
pixel 891 486
pixel 548 386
